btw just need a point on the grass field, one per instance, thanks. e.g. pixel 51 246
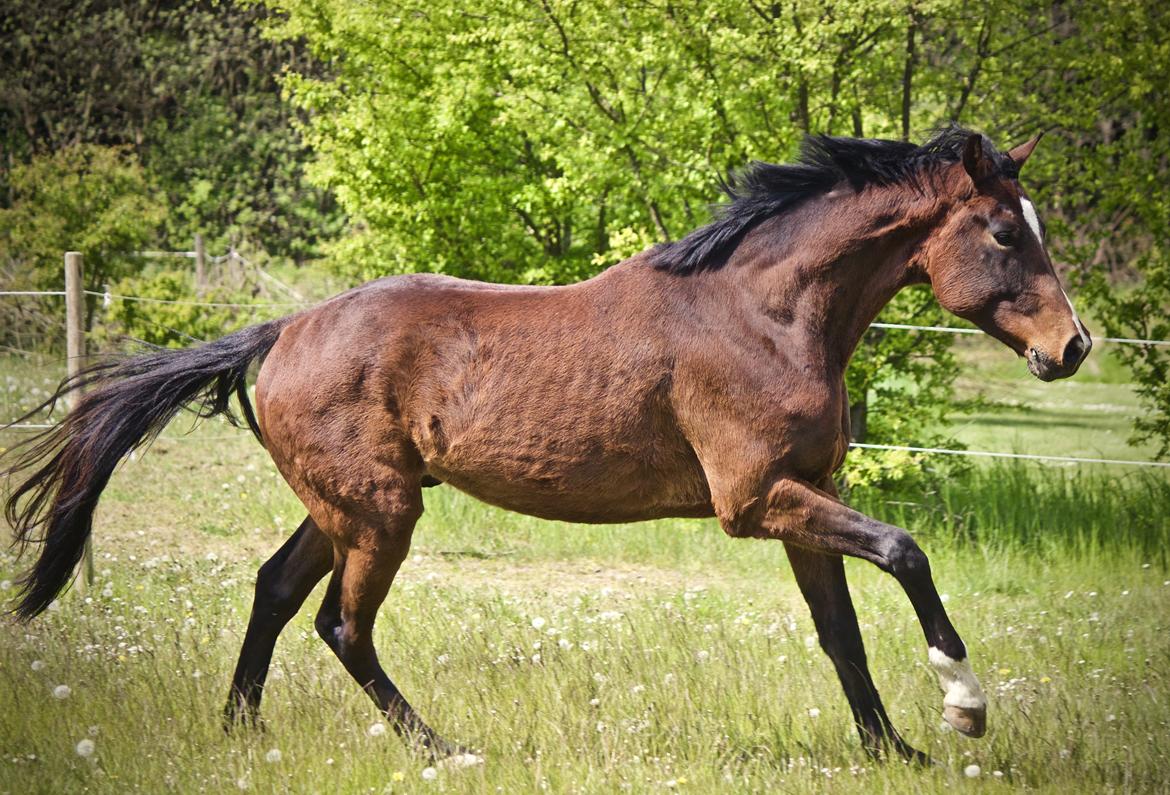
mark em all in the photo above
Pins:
pixel 643 658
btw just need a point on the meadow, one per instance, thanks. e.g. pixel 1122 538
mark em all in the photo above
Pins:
pixel 644 658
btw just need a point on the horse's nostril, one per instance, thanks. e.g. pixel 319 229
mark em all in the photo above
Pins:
pixel 1073 352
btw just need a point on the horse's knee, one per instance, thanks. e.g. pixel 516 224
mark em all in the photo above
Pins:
pixel 904 558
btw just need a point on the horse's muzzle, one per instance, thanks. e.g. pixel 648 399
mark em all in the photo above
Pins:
pixel 1044 367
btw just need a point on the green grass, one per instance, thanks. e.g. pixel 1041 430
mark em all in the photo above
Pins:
pixel 707 675
pixel 696 648
pixel 1090 415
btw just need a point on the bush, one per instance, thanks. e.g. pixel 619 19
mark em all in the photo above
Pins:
pixel 176 325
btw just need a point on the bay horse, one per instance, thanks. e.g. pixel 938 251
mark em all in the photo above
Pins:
pixel 702 377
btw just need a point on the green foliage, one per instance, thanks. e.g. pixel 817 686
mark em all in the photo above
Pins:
pixel 539 141
pixel 168 315
pixel 1143 313
pixel 191 87
pixel 1097 77
pixel 902 388
pixel 87 198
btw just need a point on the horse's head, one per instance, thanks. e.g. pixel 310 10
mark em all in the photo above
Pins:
pixel 987 263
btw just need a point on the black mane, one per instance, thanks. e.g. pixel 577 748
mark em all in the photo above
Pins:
pixel 763 190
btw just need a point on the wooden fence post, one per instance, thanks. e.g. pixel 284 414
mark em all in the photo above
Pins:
pixel 74 361
pixel 200 265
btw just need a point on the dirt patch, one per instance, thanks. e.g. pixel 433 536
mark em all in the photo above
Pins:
pixel 115 535
pixel 550 576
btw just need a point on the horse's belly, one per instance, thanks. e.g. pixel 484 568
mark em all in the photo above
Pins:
pixel 580 480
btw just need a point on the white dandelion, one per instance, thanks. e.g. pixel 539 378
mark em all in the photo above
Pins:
pixel 538 623
pixel 376 729
pixel 38 665
pixel 430 774
pixel 273 756
pixel 972 771
pixel 62 692
pixel 85 748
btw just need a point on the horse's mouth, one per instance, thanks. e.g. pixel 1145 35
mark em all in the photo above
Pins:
pixel 1045 368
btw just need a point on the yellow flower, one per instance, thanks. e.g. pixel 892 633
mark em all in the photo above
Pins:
pixel 1045 680
pixel 398 776
pixel 1004 671
pixel 682 780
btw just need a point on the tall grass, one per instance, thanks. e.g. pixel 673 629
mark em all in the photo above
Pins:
pixel 580 685
pixel 1028 508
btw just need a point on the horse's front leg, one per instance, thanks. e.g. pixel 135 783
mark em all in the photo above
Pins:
pixel 802 515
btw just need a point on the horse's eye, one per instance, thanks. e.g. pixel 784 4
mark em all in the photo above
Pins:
pixel 1005 238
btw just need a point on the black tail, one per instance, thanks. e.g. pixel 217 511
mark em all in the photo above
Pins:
pixel 130 402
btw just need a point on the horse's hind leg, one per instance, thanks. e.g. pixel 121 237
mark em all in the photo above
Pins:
pixel 367 554
pixel 821 579
pixel 282 585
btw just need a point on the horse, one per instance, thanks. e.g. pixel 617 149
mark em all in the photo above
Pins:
pixel 702 377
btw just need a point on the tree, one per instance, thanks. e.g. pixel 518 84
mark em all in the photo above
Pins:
pixel 1096 78
pixel 191 87
pixel 87 198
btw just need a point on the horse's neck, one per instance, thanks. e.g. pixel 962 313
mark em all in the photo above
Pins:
pixel 829 269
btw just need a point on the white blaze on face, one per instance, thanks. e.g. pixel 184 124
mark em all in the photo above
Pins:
pixel 960 687
pixel 1085 342
pixel 1034 224
pixel 1032 219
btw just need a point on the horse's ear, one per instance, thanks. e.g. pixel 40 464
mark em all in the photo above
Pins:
pixel 1020 154
pixel 975 160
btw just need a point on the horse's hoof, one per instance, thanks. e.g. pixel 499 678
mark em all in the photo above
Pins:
pixel 969 721
pixel 459 760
